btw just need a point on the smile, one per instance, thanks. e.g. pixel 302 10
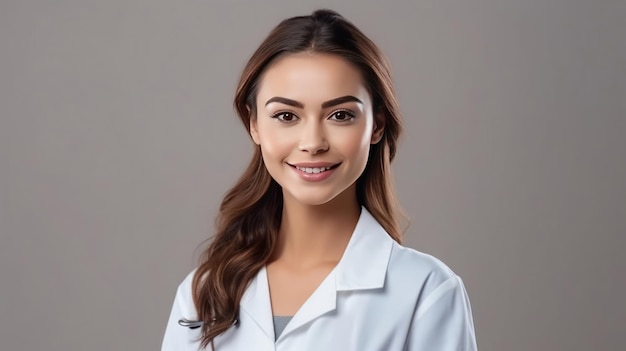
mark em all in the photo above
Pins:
pixel 313 170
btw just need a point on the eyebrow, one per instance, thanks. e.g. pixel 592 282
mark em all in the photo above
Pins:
pixel 325 104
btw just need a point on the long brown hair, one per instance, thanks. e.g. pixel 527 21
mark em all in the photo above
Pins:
pixel 250 214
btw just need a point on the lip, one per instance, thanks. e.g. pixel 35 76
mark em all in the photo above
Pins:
pixel 314 177
pixel 314 164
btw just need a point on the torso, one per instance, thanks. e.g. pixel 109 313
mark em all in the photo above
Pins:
pixel 380 296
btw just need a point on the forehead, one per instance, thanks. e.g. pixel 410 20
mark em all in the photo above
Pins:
pixel 311 78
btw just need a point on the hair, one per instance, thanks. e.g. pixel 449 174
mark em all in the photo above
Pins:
pixel 250 214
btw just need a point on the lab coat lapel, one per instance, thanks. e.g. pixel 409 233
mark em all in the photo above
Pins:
pixel 256 303
pixel 323 300
pixel 362 266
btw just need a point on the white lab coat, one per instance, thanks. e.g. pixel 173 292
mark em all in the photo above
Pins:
pixel 380 296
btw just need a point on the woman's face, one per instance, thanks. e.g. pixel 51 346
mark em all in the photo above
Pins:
pixel 315 125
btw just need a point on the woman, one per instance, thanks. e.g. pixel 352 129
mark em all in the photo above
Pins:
pixel 307 254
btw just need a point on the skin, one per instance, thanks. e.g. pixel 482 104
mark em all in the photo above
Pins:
pixel 312 108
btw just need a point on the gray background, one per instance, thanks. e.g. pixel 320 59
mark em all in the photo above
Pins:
pixel 118 139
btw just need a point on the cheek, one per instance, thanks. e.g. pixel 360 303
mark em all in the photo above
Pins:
pixel 275 144
pixel 354 144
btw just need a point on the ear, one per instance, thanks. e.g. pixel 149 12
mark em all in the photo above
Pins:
pixel 379 128
pixel 254 131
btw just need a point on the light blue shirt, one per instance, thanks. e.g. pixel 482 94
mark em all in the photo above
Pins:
pixel 280 322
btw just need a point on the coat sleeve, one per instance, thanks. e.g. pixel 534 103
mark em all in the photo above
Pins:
pixel 443 320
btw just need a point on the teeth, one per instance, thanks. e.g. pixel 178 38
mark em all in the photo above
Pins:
pixel 313 170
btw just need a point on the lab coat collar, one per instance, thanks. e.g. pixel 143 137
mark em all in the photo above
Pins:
pixel 362 266
pixel 364 262
pixel 256 302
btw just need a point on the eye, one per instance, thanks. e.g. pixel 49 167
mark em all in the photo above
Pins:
pixel 285 117
pixel 342 116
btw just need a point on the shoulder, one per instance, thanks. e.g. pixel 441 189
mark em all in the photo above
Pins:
pixel 408 272
pixel 185 285
pixel 418 271
pixel 184 297
pixel 407 260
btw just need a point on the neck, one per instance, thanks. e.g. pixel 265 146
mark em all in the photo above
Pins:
pixel 314 234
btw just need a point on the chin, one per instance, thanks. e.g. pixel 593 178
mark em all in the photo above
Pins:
pixel 312 198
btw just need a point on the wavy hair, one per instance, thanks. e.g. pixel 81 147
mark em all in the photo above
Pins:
pixel 250 214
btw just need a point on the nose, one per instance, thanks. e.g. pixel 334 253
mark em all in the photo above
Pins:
pixel 313 138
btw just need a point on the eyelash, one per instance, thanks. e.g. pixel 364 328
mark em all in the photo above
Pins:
pixel 282 113
pixel 349 114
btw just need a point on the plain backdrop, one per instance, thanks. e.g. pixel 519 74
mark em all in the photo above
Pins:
pixel 118 140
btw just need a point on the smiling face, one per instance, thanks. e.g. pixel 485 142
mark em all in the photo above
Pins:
pixel 314 123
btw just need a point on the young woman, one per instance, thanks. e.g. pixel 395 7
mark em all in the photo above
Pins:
pixel 307 254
